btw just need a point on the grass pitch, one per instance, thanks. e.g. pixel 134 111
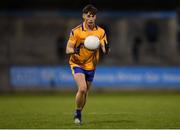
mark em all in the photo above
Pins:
pixel 118 110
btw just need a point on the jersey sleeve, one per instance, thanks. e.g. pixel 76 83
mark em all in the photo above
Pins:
pixel 72 37
pixel 103 39
pixel 104 42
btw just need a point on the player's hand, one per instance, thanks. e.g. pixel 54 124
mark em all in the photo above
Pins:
pixel 107 48
pixel 108 51
pixel 77 50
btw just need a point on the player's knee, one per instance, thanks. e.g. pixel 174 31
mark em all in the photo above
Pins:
pixel 83 90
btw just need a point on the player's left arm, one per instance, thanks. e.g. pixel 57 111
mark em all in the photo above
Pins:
pixel 104 44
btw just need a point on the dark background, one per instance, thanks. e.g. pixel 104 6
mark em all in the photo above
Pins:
pixel 148 5
pixel 140 33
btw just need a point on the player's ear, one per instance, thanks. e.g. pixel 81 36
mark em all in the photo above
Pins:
pixel 83 15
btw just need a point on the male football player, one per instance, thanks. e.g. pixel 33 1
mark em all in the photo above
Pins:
pixel 83 61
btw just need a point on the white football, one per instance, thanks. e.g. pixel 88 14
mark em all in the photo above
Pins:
pixel 92 42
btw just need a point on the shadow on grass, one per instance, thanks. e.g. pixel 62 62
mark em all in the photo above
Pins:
pixel 111 121
pixel 100 124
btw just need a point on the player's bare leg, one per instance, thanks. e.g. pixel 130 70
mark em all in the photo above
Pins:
pixel 82 90
pixel 88 88
pixel 81 95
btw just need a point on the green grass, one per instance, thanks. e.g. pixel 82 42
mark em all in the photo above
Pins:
pixel 120 110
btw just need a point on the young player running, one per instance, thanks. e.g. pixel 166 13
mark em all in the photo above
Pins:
pixel 83 61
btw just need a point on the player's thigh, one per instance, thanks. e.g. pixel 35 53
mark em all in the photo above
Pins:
pixel 80 80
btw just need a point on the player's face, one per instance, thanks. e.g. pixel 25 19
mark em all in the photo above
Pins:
pixel 89 19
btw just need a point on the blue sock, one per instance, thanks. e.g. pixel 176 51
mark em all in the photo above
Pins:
pixel 78 113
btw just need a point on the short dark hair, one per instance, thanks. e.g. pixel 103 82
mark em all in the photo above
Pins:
pixel 90 8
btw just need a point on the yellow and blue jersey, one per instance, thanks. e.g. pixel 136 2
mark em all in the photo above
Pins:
pixel 86 59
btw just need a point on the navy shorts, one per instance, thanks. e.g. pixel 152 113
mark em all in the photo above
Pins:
pixel 89 74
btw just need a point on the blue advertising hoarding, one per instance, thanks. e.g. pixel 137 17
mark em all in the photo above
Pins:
pixel 104 77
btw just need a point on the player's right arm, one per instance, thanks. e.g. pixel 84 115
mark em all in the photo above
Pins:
pixel 70 48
